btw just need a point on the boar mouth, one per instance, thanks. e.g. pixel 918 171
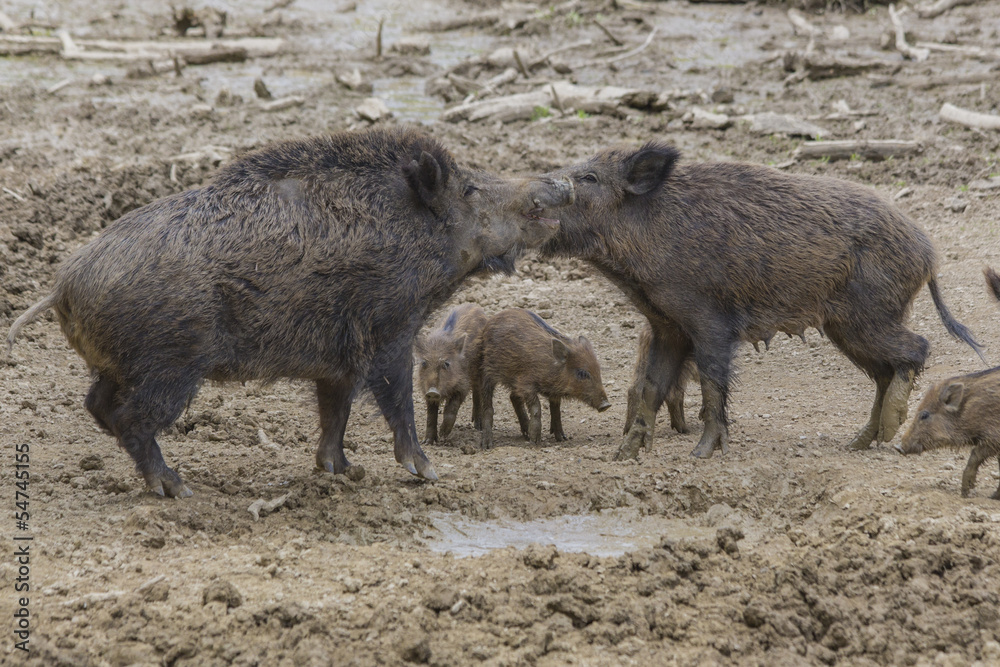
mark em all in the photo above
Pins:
pixel 535 214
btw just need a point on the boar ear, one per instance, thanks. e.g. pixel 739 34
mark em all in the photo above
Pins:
pixel 425 178
pixel 951 396
pixel 560 350
pixel 649 167
pixel 461 343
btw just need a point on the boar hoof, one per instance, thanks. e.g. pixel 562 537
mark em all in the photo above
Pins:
pixel 171 488
pixel 865 436
pixel 426 470
pixel 707 446
pixel 635 441
pixel 996 494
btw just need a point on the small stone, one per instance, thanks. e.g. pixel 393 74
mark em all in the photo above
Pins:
pixel 91 462
pixel 354 81
pixel 355 473
pixel 221 590
pixel 701 119
pixel 441 598
pixel 722 95
pixel 157 590
pixel 372 109
pixel 754 615
pixel 956 204
pixel 540 557
pixel 260 89
pixel 415 648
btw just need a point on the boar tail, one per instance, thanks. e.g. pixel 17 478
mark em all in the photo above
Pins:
pixel 954 327
pixel 26 317
pixel 993 281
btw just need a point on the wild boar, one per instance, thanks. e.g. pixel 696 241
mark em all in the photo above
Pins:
pixel 717 254
pixel 443 367
pixel 519 350
pixel 316 259
pixel 958 412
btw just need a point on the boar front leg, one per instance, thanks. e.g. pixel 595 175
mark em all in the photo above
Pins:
pixel 450 414
pixel 486 438
pixel 431 433
pixel 391 382
pixel 555 419
pixel 534 406
pixel 334 398
pixel 866 435
pixel 714 365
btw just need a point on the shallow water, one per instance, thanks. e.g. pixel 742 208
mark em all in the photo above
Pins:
pixel 607 533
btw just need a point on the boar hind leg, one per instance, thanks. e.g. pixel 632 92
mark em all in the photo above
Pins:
pixel 866 436
pixel 555 419
pixel 334 398
pixel 100 402
pixel 522 415
pixel 534 419
pixel 976 458
pixel 894 405
pixel 450 414
pixel 477 406
pixel 144 410
pixel 392 386
pixel 486 439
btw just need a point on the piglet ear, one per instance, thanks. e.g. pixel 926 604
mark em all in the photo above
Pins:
pixel 952 395
pixel 425 178
pixel 560 350
pixel 649 167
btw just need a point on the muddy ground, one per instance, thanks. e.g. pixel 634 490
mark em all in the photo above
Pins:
pixel 790 550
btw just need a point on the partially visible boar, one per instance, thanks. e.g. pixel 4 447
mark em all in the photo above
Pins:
pixel 718 254
pixel 316 259
pixel 641 386
pixel 959 412
pixel 962 411
pixel 443 371
pixel 519 350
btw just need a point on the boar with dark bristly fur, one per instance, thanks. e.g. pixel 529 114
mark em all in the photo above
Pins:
pixel 674 398
pixel 316 259
pixel 959 412
pixel 718 254
pixel 443 367
pixel 519 350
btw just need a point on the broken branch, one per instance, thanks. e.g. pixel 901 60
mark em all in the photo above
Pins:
pixel 929 11
pixel 633 52
pixel 843 150
pixel 959 116
pixel 908 51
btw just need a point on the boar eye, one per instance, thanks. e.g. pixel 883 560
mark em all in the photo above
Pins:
pixel 423 364
pixel 582 374
pixel 588 178
pixel 469 190
pixel 924 415
pixel 447 364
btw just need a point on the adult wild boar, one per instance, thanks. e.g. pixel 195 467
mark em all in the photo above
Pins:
pixel 962 411
pixel 720 253
pixel 316 259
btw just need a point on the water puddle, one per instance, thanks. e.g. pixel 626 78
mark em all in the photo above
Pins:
pixel 607 533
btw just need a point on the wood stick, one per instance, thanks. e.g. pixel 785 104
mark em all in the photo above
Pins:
pixel 982 121
pixel 378 38
pixel 555 98
pixel 976 51
pixel 548 54
pixel 633 52
pixel 842 150
pixel 224 54
pixel 278 4
pixel 931 10
pixel 7 24
pixel 801 24
pixel 908 51
pixel 520 65
pixel 607 32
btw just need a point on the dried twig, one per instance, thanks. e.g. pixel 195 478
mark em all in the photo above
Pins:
pixel 908 51
pixel 931 10
pixel 607 32
pixel 278 4
pixel 801 24
pixel 378 38
pixel 982 121
pixel 843 150
pixel 520 65
pixel 556 100
pixel 548 54
pixel 633 52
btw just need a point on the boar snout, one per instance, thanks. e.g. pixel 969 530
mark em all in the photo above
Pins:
pixel 432 394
